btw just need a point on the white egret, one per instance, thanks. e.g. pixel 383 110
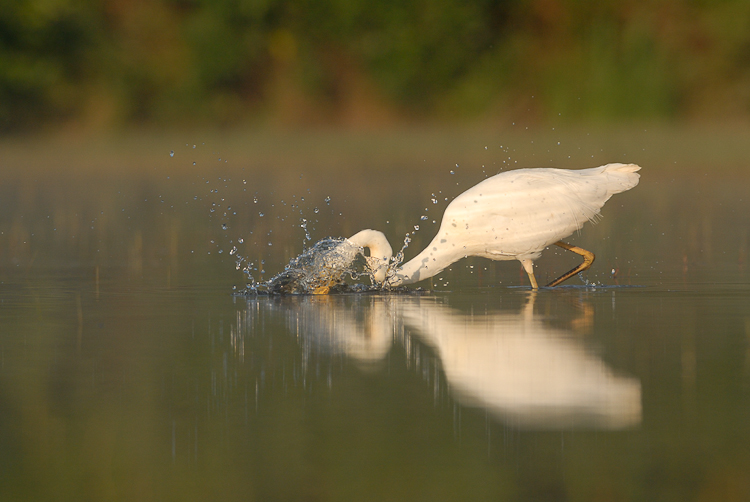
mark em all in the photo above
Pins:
pixel 513 215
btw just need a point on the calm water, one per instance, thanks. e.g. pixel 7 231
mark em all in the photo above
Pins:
pixel 129 370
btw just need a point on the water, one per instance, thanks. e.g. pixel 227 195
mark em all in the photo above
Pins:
pixel 130 370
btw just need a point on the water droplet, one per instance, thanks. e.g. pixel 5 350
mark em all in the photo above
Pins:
pixel 423 218
pixel 224 226
pixel 171 154
pixel 240 240
pixel 434 201
pixel 316 210
pixel 261 215
pixel 270 243
pixel 193 163
pixel 452 172
pixel 255 200
pixel 416 227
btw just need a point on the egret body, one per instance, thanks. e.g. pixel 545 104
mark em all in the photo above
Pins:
pixel 513 215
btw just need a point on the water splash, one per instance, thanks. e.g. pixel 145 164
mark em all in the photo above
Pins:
pixel 396 262
pixel 308 237
pixel 322 268
pixel 587 283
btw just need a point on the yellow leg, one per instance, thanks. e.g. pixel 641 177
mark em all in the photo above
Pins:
pixel 588 259
pixel 528 266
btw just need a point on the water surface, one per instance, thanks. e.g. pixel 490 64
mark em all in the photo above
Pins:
pixel 130 370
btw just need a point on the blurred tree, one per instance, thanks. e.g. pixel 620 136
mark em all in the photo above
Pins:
pixel 106 62
pixel 45 50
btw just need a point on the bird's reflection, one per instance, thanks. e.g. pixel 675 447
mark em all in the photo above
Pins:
pixel 361 327
pixel 524 370
pixel 515 364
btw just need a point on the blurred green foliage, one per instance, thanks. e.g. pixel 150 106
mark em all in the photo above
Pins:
pixel 109 62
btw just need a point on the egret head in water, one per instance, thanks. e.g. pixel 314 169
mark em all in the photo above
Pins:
pixel 380 252
pixel 513 215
